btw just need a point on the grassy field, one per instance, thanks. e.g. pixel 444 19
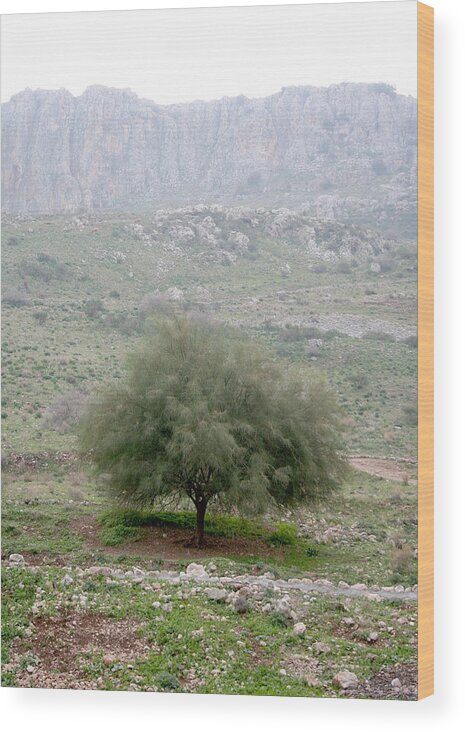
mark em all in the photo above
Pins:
pixel 73 306
pixel 74 303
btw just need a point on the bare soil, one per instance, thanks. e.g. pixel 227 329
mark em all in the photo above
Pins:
pixel 379 686
pixel 173 543
pixel 60 644
pixel 385 468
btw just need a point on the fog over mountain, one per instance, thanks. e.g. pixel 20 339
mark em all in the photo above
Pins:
pixel 345 148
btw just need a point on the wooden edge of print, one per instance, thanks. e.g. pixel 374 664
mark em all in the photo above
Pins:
pixel 425 350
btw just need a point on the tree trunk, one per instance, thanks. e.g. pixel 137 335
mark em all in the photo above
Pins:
pixel 201 507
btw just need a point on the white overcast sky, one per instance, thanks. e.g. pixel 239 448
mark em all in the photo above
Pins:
pixel 180 55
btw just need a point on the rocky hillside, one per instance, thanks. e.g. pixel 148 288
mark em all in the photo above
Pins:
pixel 108 148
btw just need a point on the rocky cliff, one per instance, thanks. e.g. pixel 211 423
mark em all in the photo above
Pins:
pixel 108 148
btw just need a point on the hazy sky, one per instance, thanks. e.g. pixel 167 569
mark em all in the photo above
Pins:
pixel 180 55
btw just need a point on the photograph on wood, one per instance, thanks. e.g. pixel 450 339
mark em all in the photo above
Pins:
pixel 217 350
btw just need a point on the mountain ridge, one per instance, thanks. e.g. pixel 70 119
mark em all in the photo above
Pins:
pixel 109 148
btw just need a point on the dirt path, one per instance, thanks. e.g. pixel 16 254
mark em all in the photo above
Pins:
pixel 387 468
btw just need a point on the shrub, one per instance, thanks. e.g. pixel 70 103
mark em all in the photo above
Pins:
pixel 94 309
pixel 285 534
pixel 165 680
pixel 40 316
pixel 293 333
pixel 66 411
pixel 154 302
pixel 411 414
pixel 126 323
pixel 279 620
pixel 359 380
pixel 411 341
pixel 45 268
pixel 401 558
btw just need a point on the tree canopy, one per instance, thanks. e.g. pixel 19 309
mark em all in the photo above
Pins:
pixel 207 414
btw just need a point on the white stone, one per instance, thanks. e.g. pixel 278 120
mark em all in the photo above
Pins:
pixel 216 594
pixel 196 571
pixel 16 560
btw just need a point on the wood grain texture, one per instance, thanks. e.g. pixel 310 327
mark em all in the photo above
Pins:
pixel 425 350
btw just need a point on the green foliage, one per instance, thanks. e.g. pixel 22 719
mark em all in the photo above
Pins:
pixel 44 268
pixel 115 535
pixel 284 534
pixel 40 316
pixel 411 413
pixel 208 414
pixel 167 681
pixel 412 341
pixel 215 525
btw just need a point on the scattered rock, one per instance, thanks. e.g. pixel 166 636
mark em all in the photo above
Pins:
pixel 283 607
pixel 16 560
pixel 196 571
pixel 320 647
pixel 312 681
pixel 345 680
pixel 299 629
pixel 216 594
pixel 240 602
pixel 348 621
pixel 67 580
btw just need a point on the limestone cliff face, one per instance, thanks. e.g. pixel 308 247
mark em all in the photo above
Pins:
pixel 108 148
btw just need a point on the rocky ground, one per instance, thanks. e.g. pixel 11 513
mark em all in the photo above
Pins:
pixel 105 627
pixel 332 614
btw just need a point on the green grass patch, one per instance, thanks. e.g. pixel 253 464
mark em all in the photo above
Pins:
pixel 115 535
pixel 229 526
pixel 285 534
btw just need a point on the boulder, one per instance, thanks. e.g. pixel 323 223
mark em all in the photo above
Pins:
pixel 196 571
pixel 345 680
pixel 216 594
pixel 16 560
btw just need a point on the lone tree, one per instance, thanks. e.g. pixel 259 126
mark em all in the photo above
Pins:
pixel 207 414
